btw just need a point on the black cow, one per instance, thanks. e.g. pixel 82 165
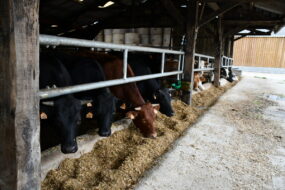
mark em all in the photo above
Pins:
pixel 228 74
pixel 143 64
pixel 86 70
pixel 63 111
pixel 224 73
pixel 232 76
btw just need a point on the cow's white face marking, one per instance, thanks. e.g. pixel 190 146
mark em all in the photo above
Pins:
pixel 200 86
pixel 202 64
pixel 227 72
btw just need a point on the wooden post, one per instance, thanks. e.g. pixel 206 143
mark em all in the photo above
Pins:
pixel 227 48
pixel 191 37
pixel 19 102
pixel 219 52
pixel 232 47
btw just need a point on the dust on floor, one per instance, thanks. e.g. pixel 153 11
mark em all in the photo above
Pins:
pixel 119 161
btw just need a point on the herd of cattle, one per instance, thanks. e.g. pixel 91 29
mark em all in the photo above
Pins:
pixel 142 99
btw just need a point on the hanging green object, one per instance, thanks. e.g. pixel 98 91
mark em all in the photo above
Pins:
pixel 176 85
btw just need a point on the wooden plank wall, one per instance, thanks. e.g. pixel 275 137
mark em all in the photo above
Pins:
pixel 260 52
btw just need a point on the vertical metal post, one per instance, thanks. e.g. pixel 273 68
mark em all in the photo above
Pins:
pixel 162 62
pixel 179 64
pixel 208 61
pixel 125 63
pixel 199 62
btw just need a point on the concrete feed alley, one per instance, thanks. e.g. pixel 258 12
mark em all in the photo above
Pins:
pixel 238 144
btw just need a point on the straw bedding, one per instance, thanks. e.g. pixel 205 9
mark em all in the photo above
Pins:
pixel 119 161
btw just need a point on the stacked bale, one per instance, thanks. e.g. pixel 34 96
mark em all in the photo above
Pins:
pixel 155 37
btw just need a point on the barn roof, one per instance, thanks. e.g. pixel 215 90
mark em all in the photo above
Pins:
pixel 84 18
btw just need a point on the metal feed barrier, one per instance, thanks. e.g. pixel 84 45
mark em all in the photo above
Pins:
pixel 210 60
pixel 63 41
pixel 227 61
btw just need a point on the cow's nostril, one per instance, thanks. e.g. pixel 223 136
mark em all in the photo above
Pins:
pixel 67 149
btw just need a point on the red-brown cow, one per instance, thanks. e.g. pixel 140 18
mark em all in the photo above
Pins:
pixel 198 79
pixel 144 113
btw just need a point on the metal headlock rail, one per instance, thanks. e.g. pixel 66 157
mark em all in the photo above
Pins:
pixel 205 57
pixel 227 61
pixel 63 41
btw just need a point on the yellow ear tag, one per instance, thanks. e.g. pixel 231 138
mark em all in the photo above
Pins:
pixel 89 115
pixel 44 115
pixel 123 106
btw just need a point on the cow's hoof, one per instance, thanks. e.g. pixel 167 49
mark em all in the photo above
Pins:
pixel 69 149
pixel 105 133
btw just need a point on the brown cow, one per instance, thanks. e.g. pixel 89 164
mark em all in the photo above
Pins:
pixel 198 79
pixel 144 113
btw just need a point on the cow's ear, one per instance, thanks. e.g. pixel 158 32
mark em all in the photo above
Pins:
pixel 156 107
pixel 132 114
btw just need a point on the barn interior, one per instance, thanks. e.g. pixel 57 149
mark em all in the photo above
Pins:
pixel 208 27
pixel 84 19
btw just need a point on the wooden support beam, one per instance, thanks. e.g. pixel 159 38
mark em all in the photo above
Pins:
pixel 191 37
pixel 173 11
pixel 254 22
pixel 232 47
pixel 240 37
pixel 219 52
pixel 227 47
pixel 19 103
pixel 213 6
pixel 259 33
pixel 246 1
pixel 219 12
pixel 235 30
pixel 202 11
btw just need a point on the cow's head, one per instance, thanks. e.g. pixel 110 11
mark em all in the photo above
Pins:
pixel 144 118
pixel 162 96
pixel 68 116
pixel 198 79
pixel 224 73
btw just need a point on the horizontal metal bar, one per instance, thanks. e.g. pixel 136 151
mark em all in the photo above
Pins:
pixel 50 93
pixel 228 58
pixel 56 41
pixel 227 66
pixel 204 56
pixel 204 69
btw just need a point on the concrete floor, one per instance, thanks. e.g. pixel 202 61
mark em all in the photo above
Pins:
pixel 238 144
